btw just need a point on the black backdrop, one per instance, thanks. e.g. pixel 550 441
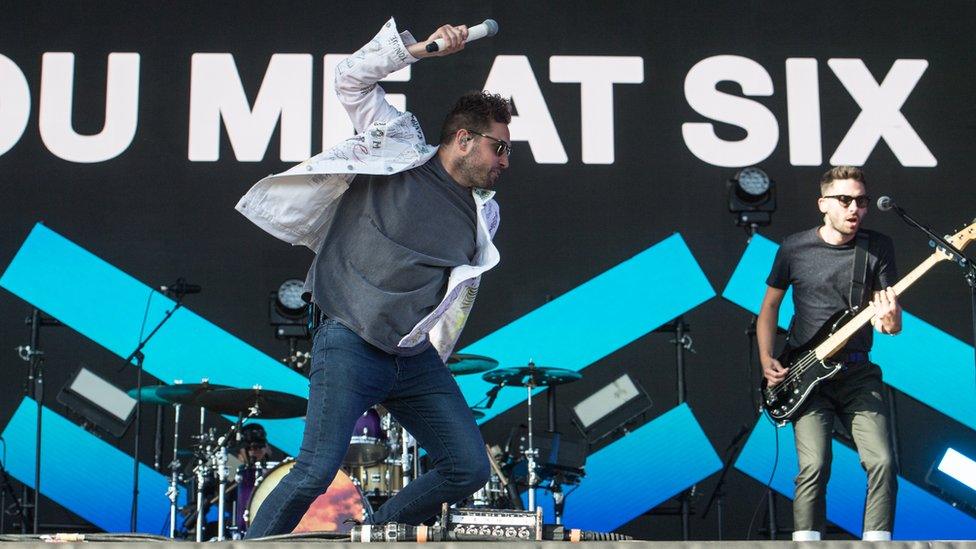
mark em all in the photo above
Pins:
pixel 157 215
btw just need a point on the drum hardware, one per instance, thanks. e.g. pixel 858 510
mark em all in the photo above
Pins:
pixel 531 376
pixel 493 494
pixel 256 402
pixel 173 490
pixel 247 404
pixel 176 395
pixel 254 397
pixel 210 450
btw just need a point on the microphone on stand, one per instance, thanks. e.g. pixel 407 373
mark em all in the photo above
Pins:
pixel 492 394
pixel 886 203
pixel 181 288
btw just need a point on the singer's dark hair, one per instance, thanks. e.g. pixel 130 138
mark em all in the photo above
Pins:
pixel 840 172
pixel 476 111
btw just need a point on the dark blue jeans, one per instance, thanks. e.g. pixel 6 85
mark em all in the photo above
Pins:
pixel 348 376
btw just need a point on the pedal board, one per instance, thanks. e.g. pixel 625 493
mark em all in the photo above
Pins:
pixel 479 525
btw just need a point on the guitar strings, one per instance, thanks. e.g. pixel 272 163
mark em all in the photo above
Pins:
pixel 798 369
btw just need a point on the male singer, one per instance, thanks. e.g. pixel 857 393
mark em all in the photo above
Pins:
pixel 402 233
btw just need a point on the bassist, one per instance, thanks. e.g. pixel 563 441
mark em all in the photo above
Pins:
pixel 820 265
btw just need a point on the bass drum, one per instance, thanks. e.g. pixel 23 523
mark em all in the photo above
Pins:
pixel 328 512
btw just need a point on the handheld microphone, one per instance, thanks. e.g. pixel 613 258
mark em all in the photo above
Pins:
pixel 488 28
pixel 885 203
pixel 180 287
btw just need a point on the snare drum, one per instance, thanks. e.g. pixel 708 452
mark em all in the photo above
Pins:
pixel 328 512
pixel 368 443
pixel 381 481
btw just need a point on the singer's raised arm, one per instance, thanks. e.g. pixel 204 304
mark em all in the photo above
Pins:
pixel 356 76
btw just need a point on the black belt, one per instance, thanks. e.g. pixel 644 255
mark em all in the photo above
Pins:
pixel 856 357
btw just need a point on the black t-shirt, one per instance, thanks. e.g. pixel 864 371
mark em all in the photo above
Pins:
pixel 821 275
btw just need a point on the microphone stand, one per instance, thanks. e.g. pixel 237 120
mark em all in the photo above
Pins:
pixel 718 494
pixel 35 390
pixel 957 256
pixel 36 380
pixel 139 358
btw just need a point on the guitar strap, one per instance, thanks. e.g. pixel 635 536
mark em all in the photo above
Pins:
pixel 859 273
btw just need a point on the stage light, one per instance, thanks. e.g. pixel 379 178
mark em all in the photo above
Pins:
pixel 959 467
pixel 288 312
pixel 752 198
pixel 98 401
pixel 954 474
pixel 611 409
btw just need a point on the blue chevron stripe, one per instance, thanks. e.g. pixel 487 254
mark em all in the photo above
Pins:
pixel 946 382
pixel 918 514
pixel 49 269
pixel 596 318
pixel 639 472
pixel 84 474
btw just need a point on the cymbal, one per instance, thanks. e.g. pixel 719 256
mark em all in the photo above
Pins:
pixel 270 404
pixel 478 414
pixel 181 393
pixel 536 376
pixel 150 394
pixel 463 364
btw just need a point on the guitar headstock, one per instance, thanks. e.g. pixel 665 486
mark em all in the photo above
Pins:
pixel 964 237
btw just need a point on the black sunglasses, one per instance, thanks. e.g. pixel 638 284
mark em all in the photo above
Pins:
pixel 503 147
pixel 846 199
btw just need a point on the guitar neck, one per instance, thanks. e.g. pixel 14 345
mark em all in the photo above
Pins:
pixel 837 340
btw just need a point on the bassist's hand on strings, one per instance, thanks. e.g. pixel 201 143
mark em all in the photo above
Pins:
pixel 887 312
pixel 773 371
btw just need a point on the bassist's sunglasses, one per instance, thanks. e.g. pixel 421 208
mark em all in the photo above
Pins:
pixel 846 199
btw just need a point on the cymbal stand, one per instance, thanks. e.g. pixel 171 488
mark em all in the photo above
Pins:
pixel 172 492
pixel 201 470
pixel 531 453
pixel 406 457
pixel 555 486
pixel 220 464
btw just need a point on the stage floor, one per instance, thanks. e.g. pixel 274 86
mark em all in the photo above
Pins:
pixel 31 542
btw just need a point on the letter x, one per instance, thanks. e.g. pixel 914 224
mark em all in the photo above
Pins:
pixel 881 113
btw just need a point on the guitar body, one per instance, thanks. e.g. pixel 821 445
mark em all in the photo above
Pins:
pixel 784 401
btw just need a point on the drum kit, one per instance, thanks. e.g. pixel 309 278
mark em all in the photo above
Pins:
pixel 210 472
pixel 382 457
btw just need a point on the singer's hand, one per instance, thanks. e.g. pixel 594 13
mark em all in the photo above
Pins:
pixel 453 36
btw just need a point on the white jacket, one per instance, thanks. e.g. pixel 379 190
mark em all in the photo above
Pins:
pixel 297 204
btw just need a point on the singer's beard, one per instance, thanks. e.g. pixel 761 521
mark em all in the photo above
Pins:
pixel 474 175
